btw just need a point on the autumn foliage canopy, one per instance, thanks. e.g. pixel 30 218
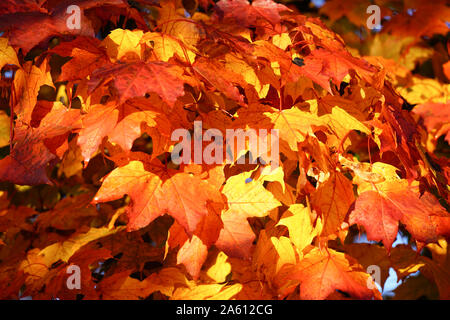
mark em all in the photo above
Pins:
pixel 87 178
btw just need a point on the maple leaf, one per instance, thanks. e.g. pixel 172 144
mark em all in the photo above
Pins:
pixel 322 272
pixel 333 200
pixel 172 22
pixel 436 118
pixel 248 197
pixel 194 251
pixel 214 74
pixel 148 185
pixel 298 221
pixel 124 44
pixel 279 60
pixel 248 14
pixel 402 258
pixel 165 47
pixel 431 20
pixel 65 250
pixel 36 26
pixel 35 148
pixel 236 237
pixel 27 83
pixel 293 124
pixel 122 124
pixel 366 149
pixel 322 65
pixel 193 254
pixel 327 104
pixel 94 130
pixel 341 123
pixel 68 213
pixel 381 212
pixel 136 79
pixel 11 6
pixel 86 56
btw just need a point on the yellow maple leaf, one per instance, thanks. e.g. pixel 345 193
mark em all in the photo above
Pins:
pixel 248 196
pixel 165 47
pixel 124 44
pixel 301 230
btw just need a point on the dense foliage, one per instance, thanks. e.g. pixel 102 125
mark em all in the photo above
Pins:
pixel 88 177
